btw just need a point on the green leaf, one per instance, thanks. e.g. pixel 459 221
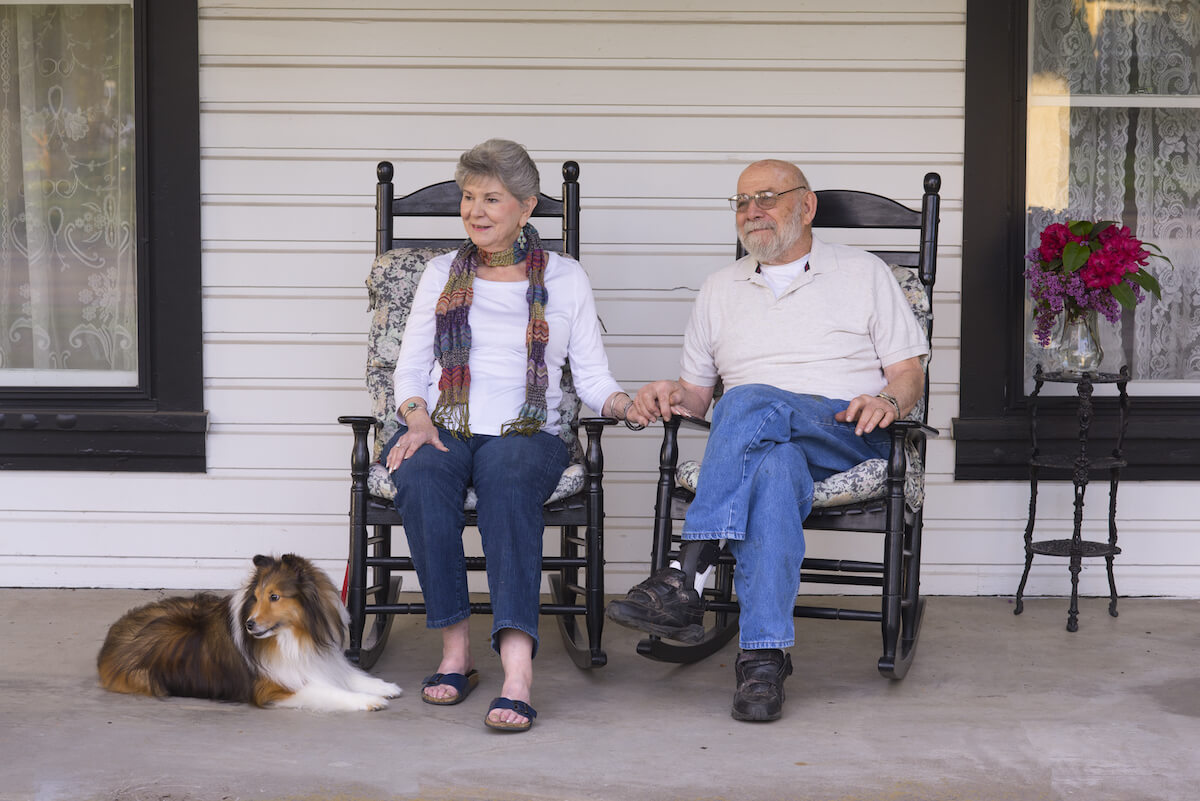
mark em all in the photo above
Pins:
pixel 1074 256
pixel 1123 294
pixel 1102 225
pixel 1147 282
pixel 1157 252
pixel 1080 227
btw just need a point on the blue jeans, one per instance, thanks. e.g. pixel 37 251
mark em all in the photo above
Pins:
pixel 513 476
pixel 766 449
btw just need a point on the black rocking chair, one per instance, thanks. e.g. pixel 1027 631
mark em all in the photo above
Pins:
pixel 883 496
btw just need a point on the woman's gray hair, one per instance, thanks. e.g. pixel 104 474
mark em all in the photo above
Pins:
pixel 503 160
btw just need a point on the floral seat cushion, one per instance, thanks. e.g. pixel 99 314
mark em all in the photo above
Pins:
pixel 380 485
pixel 390 288
pixel 866 481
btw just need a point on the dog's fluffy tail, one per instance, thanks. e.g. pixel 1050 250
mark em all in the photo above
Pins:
pixel 177 646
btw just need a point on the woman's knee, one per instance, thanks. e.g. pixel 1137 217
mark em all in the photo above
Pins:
pixel 432 474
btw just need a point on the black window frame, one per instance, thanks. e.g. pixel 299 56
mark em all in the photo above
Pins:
pixel 161 424
pixel 991 432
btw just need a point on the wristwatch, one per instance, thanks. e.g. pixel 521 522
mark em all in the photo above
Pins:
pixel 892 400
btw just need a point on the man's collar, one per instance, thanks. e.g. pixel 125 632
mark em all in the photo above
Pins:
pixel 820 259
pixel 807 264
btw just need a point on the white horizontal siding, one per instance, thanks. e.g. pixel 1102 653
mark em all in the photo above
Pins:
pixel 662 104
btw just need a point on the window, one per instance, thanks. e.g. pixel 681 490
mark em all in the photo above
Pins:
pixel 68 214
pixel 1109 113
pixel 100 364
pixel 1113 133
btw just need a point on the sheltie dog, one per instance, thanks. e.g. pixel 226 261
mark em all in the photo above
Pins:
pixel 275 642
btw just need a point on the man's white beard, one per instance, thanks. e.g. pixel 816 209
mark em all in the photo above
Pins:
pixel 770 250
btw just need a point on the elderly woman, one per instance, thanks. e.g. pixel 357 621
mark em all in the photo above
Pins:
pixel 491 325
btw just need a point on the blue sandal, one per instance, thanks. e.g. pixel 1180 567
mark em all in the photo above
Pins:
pixel 462 684
pixel 520 707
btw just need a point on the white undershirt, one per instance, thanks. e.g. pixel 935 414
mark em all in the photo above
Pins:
pixel 780 276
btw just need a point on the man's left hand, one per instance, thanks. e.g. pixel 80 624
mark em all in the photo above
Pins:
pixel 869 412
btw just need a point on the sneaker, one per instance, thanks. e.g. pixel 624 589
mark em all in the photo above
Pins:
pixel 760 675
pixel 664 605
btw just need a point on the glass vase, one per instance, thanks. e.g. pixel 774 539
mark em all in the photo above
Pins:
pixel 1079 348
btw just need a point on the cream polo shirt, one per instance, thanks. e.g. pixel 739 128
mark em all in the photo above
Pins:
pixel 830 333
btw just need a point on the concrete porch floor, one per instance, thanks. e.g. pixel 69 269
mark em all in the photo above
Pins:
pixel 996 707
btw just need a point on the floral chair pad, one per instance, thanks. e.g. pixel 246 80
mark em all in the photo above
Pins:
pixel 866 481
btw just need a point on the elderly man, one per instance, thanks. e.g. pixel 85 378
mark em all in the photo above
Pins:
pixel 818 351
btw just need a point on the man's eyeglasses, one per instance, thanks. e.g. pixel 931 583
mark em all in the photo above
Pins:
pixel 765 200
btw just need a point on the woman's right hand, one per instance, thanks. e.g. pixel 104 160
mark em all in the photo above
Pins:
pixel 420 432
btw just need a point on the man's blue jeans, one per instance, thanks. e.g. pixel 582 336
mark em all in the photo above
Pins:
pixel 765 450
pixel 513 476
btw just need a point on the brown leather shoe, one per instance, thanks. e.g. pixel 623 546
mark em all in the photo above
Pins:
pixel 664 605
pixel 760 675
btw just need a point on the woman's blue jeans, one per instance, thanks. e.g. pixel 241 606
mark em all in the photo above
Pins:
pixel 765 450
pixel 512 476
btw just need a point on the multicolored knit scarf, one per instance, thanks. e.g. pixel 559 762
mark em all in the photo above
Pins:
pixel 452 339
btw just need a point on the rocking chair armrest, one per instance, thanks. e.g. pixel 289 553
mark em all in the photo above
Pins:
pixel 360 455
pixel 593 454
pixel 903 434
pixel 668 457
pixel 594 427
pixel 357 421
pixel 694 422
pixel 912 428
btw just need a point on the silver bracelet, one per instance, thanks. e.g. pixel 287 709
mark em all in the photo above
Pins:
pixel 409 408
pixel 892 400
pixel 625 418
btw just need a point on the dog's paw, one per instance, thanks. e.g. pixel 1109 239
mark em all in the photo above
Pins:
pixel 370 685
pixel 375 704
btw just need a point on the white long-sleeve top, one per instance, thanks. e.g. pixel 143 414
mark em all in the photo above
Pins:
pixel 499 318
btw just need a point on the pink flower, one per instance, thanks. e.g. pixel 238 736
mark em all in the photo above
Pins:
pixel 1120 253
pixel 1054 237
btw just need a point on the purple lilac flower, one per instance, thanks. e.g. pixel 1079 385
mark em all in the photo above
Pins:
pixel 1053 293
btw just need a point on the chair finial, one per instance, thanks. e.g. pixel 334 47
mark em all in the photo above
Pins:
pixel 385 172
pixel 570 171
pixel 933 183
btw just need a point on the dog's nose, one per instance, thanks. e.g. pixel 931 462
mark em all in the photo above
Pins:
pixel 250 624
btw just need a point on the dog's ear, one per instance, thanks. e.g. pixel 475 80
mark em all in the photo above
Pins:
pixel 263 561
pixel 295 563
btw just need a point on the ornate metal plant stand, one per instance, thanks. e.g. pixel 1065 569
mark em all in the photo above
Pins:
pixel 1079 465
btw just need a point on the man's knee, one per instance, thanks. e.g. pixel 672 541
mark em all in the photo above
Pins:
pixel 745 402
pixel 752 395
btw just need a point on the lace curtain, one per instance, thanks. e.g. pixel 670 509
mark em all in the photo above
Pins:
pixel 1132 132
pixel 68 295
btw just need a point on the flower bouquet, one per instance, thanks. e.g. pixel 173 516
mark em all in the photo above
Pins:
pixel 1083 267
